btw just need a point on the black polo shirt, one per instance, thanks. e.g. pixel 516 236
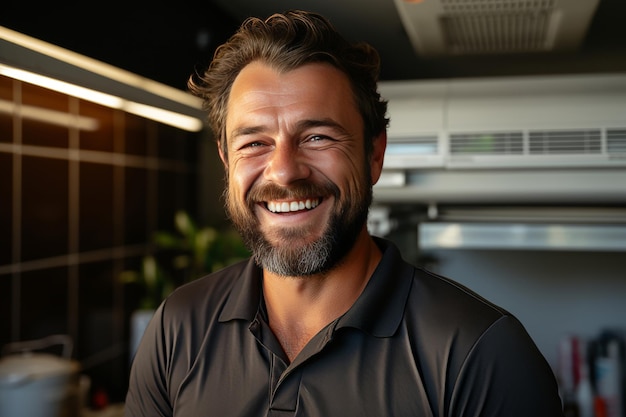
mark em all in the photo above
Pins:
pixel 413 344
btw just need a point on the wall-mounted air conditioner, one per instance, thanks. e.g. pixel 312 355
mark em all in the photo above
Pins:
pixel 549 138
pixel 504 122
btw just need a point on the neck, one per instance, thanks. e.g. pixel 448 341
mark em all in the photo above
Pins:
pixel 299 307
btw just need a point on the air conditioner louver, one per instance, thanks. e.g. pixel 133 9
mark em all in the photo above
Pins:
pixel 565 142
pixel 507 143
pixel 616 141
pixel 522 148
pixel 529 148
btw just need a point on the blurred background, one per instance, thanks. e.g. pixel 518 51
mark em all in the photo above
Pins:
pixel 506 169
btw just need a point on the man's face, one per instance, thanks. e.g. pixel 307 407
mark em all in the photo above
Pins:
pixel 299 184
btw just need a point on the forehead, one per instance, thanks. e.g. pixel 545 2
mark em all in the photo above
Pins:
pixel 312 90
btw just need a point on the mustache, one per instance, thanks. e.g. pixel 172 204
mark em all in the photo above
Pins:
pixel 297 191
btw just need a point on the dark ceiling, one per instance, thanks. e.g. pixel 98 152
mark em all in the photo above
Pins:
pixel 168 41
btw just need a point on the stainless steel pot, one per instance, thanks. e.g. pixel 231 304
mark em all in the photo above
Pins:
pixel 39 384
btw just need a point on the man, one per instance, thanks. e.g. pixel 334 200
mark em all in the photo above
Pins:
pixel 324 320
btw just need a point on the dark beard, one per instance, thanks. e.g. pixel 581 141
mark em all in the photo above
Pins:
pixel 318 257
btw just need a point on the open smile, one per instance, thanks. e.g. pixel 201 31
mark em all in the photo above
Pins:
pixel 292 206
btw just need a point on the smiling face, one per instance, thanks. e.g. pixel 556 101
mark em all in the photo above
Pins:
pixel 299 182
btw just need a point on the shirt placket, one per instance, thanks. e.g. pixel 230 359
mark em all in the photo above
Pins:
pixel 284 389
pixel 283 384
pixel 285 379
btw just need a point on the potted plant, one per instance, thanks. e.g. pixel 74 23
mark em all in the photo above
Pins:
pixel 193 251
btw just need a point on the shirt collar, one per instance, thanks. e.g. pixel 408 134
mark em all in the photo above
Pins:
pixel 378 310
pixel 245 297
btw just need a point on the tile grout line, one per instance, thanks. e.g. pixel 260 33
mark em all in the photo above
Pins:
pixel 16 276
pixel 119 222
pixel 73 288
pixel 98 157
pixel 112 253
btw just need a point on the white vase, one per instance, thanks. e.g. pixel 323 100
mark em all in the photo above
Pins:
pixel 139 320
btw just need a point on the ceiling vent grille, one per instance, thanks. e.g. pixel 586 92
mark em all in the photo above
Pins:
pixel 497 25
pixel 616 141
pixel 505 143
pixel 454 27
pixel 561 142
pixel 506 149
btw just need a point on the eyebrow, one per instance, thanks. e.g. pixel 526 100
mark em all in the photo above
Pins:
pixel 326 122
pixel 300 126
pixel 248 130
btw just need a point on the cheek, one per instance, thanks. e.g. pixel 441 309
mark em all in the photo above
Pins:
pixel 243 173
pixel 348 172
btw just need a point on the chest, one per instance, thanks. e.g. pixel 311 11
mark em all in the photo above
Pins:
pixel 293 342
pixel 349 375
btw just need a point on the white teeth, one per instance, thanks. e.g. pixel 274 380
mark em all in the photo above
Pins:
pixel 286 207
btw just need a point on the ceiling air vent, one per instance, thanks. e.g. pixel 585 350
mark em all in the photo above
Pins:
pixel 503 143
pixel 530 148
pixel 453 27
pixel 497 26
pixel 562 142
pixel 616 141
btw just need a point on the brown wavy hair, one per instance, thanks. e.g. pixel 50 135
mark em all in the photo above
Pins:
pixel 285 42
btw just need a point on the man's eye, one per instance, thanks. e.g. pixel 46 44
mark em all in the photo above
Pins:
pixel 317 138
pixel 252 145
pixel 251 148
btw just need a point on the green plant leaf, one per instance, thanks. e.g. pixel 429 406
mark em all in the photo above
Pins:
pixel 181 261
pixel 193 253
pixel 184 224
pixel 128 277
pixel 167 240
pixel 150 271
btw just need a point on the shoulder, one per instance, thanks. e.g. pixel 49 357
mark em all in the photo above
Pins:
pixel 216 281
pixel 451 303
pixel 481 348
pixel 425 301
pixel 205 296
pixel 445 316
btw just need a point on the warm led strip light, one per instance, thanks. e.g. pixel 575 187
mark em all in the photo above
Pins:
pixel 98 67
pixel 181 121
pixel 49 116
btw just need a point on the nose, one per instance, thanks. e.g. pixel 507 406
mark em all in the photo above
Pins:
pixel 286 165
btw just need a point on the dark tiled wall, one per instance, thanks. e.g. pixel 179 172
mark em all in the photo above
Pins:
pixel 77 207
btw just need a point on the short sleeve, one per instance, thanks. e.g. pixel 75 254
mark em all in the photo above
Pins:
pixel 506 375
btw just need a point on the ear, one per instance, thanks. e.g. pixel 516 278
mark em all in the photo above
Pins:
pixel 223 157
pixel 379 144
